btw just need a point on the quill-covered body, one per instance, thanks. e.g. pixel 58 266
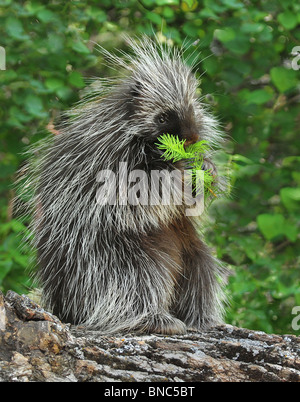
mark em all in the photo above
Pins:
pixel 125 267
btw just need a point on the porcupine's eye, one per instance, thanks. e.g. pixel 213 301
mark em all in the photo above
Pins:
pixel 163 118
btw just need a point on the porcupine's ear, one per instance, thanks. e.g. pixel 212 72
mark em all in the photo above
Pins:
pixel 136 96
pixel 135 90
pixel 132 98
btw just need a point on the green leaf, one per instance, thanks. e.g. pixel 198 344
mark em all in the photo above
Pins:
pixel 265 35
pixel 258 97
pixel 17 226
pixel 54 43
pixel 275 225
pixel 54 83
pixel 289 161
pixel 242 158
pixel 15 28
pixel 153 17
pixel 247 170
pixel 148 3
pixel 34 106
pixel 240 45
pixel 271 225
pixel 33 7
pixel 290 198
pixel 235 4
pixel 296 177
pixel 168 12
pixel 97 15
pixel 190 29
pixel 168 2
pixel 291 231
pixel 283 78
pixel 210 65
pixel 46 15
pixel 80 47
pixel 189 5
pixel 288 19
pixel 22 260
pixel 75 78
pixel 64 92
pixel 225 35
pixel 252 27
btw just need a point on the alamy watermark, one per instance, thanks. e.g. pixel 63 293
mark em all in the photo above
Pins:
pixel 296 52
pixel 157 187
pixel 2 58
pixel 296 319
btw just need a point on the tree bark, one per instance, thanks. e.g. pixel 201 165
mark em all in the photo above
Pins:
pixel 37 346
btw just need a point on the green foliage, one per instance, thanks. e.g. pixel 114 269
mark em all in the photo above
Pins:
pixel 15 262
pixel 244 54
pixel 175 151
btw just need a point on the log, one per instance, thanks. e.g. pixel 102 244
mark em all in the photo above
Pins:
pixel 35 346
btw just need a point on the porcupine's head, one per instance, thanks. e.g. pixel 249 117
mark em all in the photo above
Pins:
pixel 160 94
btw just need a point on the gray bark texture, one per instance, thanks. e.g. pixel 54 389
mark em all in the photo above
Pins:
pixel 36 346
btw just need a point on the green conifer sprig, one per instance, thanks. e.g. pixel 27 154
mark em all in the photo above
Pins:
pixel 175 151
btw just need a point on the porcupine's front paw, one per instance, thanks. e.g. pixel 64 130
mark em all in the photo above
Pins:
pixel 209 165
pixel 165 324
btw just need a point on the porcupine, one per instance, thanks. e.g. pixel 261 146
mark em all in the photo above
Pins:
pixel 126 267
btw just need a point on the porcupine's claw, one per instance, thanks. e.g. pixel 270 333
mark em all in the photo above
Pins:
pixel 165 324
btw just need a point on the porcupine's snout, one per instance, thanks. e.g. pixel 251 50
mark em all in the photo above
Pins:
pixel 191 139
pixel 189 129
pixel 190 135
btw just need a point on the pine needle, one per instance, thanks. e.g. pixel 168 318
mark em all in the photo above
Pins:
pixel 175 151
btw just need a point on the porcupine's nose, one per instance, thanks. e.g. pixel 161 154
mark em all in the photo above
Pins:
pixel 189 130
pixel 191 139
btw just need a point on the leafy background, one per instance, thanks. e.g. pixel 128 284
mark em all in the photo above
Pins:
pixel 247 79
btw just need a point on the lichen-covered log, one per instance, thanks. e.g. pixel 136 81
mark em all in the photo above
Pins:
pixel 36 346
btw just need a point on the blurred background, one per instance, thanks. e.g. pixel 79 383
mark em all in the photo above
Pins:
pixel 250 79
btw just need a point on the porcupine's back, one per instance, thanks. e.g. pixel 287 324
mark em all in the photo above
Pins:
pixel 80 243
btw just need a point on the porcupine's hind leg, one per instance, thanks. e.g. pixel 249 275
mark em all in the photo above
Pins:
pixel 159 319
pixel 132 288
pixel 158 281
pixel 199 293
